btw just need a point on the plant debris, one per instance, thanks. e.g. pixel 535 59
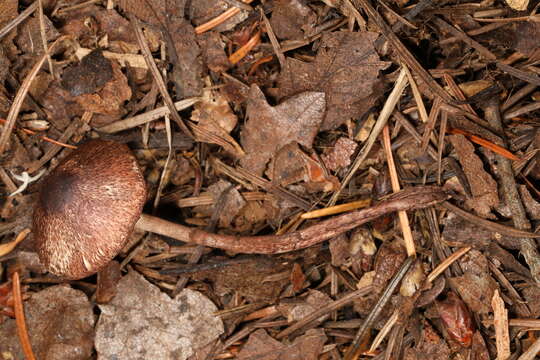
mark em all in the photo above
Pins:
pixel 352 179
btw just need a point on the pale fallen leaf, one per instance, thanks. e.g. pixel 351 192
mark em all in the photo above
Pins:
pixel 142 322
pixel 60 325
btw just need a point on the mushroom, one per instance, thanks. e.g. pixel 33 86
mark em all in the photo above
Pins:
pixel 92 201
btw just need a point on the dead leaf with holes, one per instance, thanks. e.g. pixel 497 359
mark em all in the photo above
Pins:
pixel 346 69
pixel 269 128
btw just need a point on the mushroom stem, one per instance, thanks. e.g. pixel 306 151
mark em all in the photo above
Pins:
pixel 413 198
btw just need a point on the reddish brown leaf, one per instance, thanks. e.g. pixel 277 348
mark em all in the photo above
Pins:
pixel 456 318
pixel 483 187
pixel 297 277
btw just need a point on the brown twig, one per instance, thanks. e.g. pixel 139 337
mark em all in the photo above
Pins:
pixel 506 177
pixel 486 224
pixel 226 15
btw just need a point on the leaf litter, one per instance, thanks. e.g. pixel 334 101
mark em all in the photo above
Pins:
pixel 282 96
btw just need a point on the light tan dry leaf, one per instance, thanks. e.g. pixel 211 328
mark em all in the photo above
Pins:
pixel 142 322
pixel 215 121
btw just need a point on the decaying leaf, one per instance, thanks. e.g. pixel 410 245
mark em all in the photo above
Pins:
pixel 297 311
pixel 68 336
pixel 483 187
pixel 89 75
pixel 270 128
pixel 233 202
pixel 142 322
pixel 256 278
pixel 340 154
pixel 297 278
pixel 431 346
pixel 261 346
pixel 346 69
pixel 291 165
pixel 475 286
pixel 29 36
pixel 292 19
pixel 107 103
pixel 214 115
pixel 213 50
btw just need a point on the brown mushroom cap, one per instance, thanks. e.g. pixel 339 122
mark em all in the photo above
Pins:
pixel 87 208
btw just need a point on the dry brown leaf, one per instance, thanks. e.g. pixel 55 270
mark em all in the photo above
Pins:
pixel 475 286
pixel 256 278
pixel 483 187
pixel 314 301
pixel 297 278
pixel 9 11
pixel 292 19
pixel 233 202
pixel 339 249
pixel 68 336
pixel 107 104
pixel 29 36
pixel 346 69
pixel 89 75
pixel 269 128
pixel 431 346
pixel 291 165
pixel 213 50
pixel 261 346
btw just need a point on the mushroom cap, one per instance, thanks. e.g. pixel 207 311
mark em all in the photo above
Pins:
pixel 87 208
